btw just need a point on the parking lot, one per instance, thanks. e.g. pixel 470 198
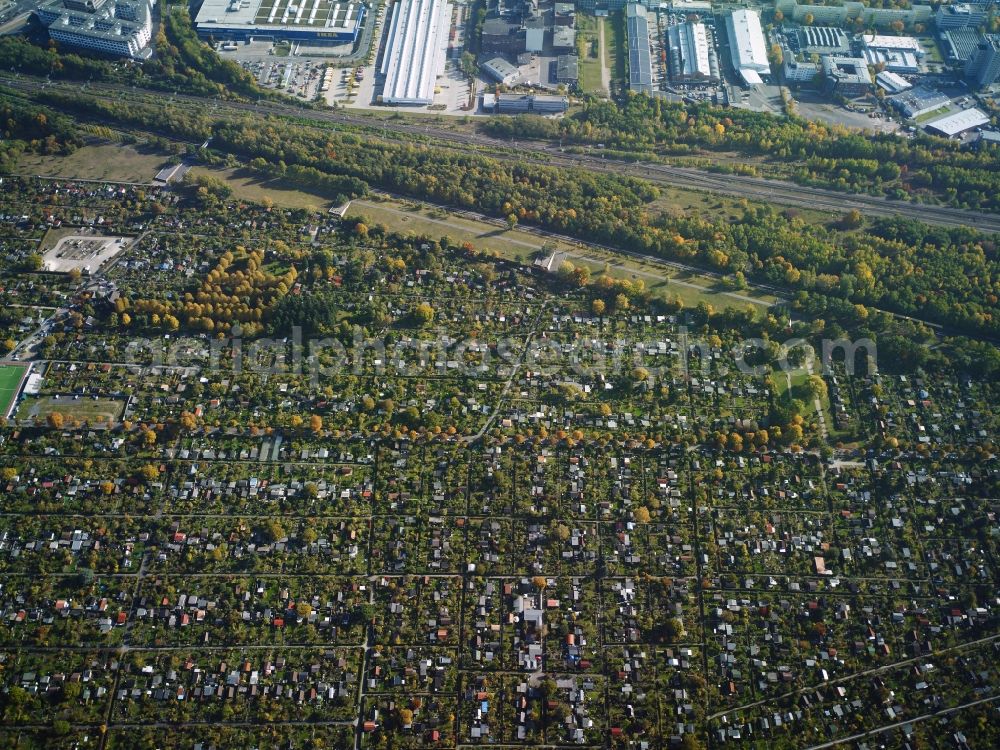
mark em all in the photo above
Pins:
pixel 83 253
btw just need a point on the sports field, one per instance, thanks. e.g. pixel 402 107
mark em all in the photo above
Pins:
pixel 10 379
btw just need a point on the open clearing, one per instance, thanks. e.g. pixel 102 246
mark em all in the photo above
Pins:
pixel 10 380
pixel 108 161
pixel 251 188
pixel 523 246
pixel 82 409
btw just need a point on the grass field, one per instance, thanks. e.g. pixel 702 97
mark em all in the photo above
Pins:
pixel 251 188
pixel 82 410
pixel 522 246
pixel 590 64
pixel 100 162
pixel 10 379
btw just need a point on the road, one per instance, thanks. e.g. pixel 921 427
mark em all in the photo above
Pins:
pixel 756 188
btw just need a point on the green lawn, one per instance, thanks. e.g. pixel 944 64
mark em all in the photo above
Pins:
pixel 10 379
pixel 107 161
pixel 247 186
pixel 80 410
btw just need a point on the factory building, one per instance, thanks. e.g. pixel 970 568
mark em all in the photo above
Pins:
pixel 847 76
pixel 900 54
pixel 690 54
pixel 314 22
pixel 501 37
pixel 958 122
pixel 958 45
pixel 640 68
pixel 415 51
pixel 983 67
pixel 747 46
pixel 122 28
pixel 567 69
pixel 824 40
pixel 919 101
pixel 519 104
pixel 892 83
pixel 501 71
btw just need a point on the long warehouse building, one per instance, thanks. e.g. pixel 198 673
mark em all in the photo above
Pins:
pixel 314 22
pixel 690 54
pixel 640 67
pixel 747 46
pixel 415 51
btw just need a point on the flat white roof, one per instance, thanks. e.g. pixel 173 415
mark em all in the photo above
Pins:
pixel 893 82
pixel 959 122
pixel 414 51
pixel 751 76
pixel 691 39
pixel 280 15
pixel 884 41
pixel 746 41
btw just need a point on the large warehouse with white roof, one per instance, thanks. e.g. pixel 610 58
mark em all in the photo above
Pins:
pixel 414 51
pixel 690 53
pixel 747 46
pixel 316 22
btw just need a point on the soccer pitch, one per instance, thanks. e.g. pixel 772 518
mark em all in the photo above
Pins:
pixel 10 379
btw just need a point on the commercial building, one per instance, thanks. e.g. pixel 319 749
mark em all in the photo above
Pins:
pixel 958 122
pixel 518 104
pixel 798 72
pixel 983 67
pixel 640 68
pixel 960 16
pixel 848 76
pixel 315 22
pixel 564 14
pixel 567 69
pixel 824 40
pixel 746 45
pixel 690 54
pixel 892 83
pixel 415 51
pixel 122 28
pixel 501 71
pixel 918 101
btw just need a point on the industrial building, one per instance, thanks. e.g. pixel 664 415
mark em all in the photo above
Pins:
pixel 892 83
pixel 534 34
pixel 747 46
pixel 847 76
pixel 983 67
pixel 919 101
pixel 501 37
pixel 960 16
pixel 314 22
pixel 414 51
pixel 501 71
pixel 900 54
pixel 823 39
pixel 519 104
pixel 958 122
pixel 563 39
pixel 567 69
pixel 640 67
pixel 795 71
pixel 122 28
pixel 690 53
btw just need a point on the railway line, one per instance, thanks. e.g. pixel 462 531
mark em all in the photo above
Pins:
pixel 741 186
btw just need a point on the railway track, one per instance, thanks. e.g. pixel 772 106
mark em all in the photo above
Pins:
pixel 741 186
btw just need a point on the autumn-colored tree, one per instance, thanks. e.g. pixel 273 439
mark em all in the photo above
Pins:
pixel 316 423
pixel 55 420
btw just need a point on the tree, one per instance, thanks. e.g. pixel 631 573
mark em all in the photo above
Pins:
pixel 597 307
pixel 188 421
pixel 316 423
pixel 642 514
pixel 150 472
pixel 422 314
pixel 149 438
pixel 55 420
